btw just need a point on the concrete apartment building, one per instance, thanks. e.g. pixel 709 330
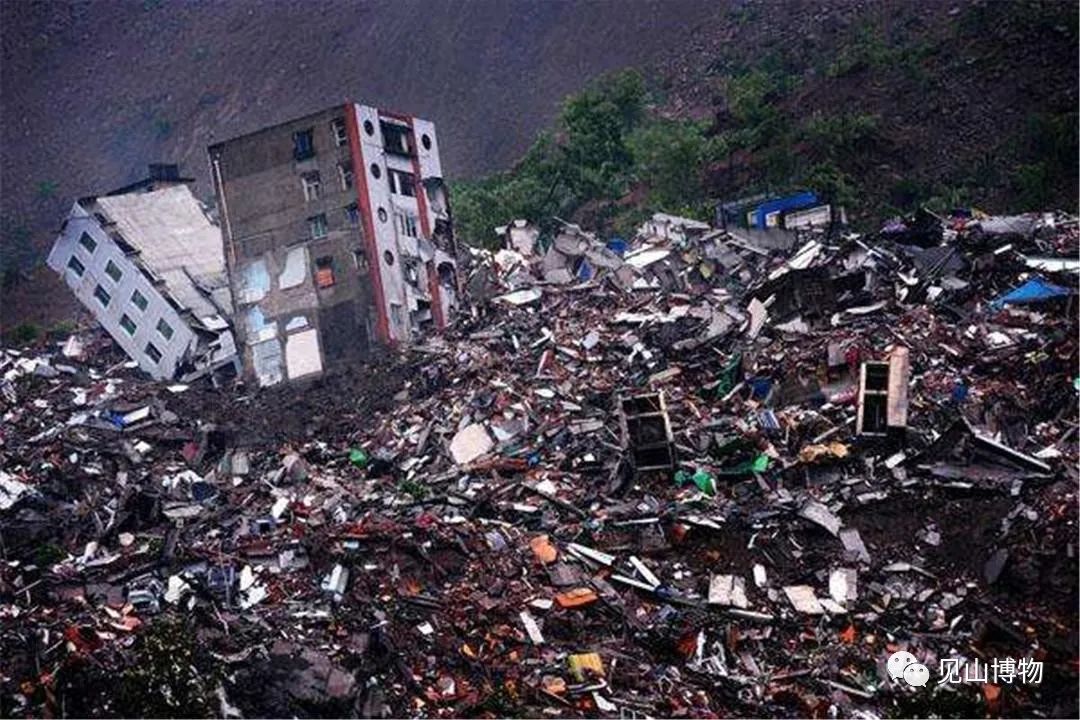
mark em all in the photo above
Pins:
pixel 337 234
pixel 146 261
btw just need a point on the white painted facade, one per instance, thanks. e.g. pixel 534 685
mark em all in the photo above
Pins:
pixel 148 265
pixel 121 295
pixel 402 259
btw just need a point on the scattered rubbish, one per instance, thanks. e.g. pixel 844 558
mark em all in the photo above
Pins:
pixel 699 471
pixel 470 443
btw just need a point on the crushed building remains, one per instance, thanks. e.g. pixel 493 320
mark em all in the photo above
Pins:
pixel 645 477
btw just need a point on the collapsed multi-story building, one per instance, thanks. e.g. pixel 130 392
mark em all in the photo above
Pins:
pixel 146 261
pixel 337 233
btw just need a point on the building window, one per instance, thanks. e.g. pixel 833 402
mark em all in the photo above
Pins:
pixel 303 144
pixel 138 300
pixel 406 224
pixel 317 227
pixel 113 271
pixel 337 127
pixel 345 171
pixel 395 314
pixel 165 329
pixel 102 295
pixel 388 257
pixel 128 324
pixel 152 352
pixel 88 242
pixel 352 212
pixel 382 214
pixel 311 184
pixel 376 172
pixel 324 272
pixel 397 139
pixel 401 183
pixel 76 267
pixel 369 128
pixel 425 140
pixel 359 259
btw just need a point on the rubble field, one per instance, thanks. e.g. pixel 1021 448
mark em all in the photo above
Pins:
pixel 702 473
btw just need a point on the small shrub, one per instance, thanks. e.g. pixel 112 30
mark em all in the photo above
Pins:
pixel 25 333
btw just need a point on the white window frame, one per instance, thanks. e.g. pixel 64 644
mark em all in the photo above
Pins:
pixel 340 131
pixel 394 177
pixel 312 185
pixel 345 169
pixel 407 224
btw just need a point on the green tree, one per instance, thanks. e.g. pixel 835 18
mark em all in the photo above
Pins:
pixel 596 122
pixel 668 157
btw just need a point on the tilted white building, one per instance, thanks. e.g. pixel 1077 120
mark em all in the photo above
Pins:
pixel 147 261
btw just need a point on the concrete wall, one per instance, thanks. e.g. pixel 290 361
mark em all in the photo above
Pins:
pixel 120 303
pixel 415 298
pixel 291 327
pixel 382 205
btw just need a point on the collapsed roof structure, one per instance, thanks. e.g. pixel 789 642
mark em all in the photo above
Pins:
pixel 146 260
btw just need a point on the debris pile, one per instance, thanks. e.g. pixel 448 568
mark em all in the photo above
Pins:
pixel 704 472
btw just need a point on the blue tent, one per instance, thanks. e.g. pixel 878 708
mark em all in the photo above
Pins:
pixel 1034 290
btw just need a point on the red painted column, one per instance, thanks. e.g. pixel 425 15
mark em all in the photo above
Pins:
pixel 367 218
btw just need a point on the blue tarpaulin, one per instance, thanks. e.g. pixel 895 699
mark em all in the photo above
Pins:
pixel 617 245
pixel 1033 290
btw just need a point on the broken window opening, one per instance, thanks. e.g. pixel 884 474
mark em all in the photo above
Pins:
pixel 401 183
pixel 397 139
pixel 360 259
pixel 77 267
pixel 312 185
pixel 303 144
pixel 883 394
pixel 324 272
pixel 447 274
pixel 113 271
pixel 317 227
pixel 339 131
